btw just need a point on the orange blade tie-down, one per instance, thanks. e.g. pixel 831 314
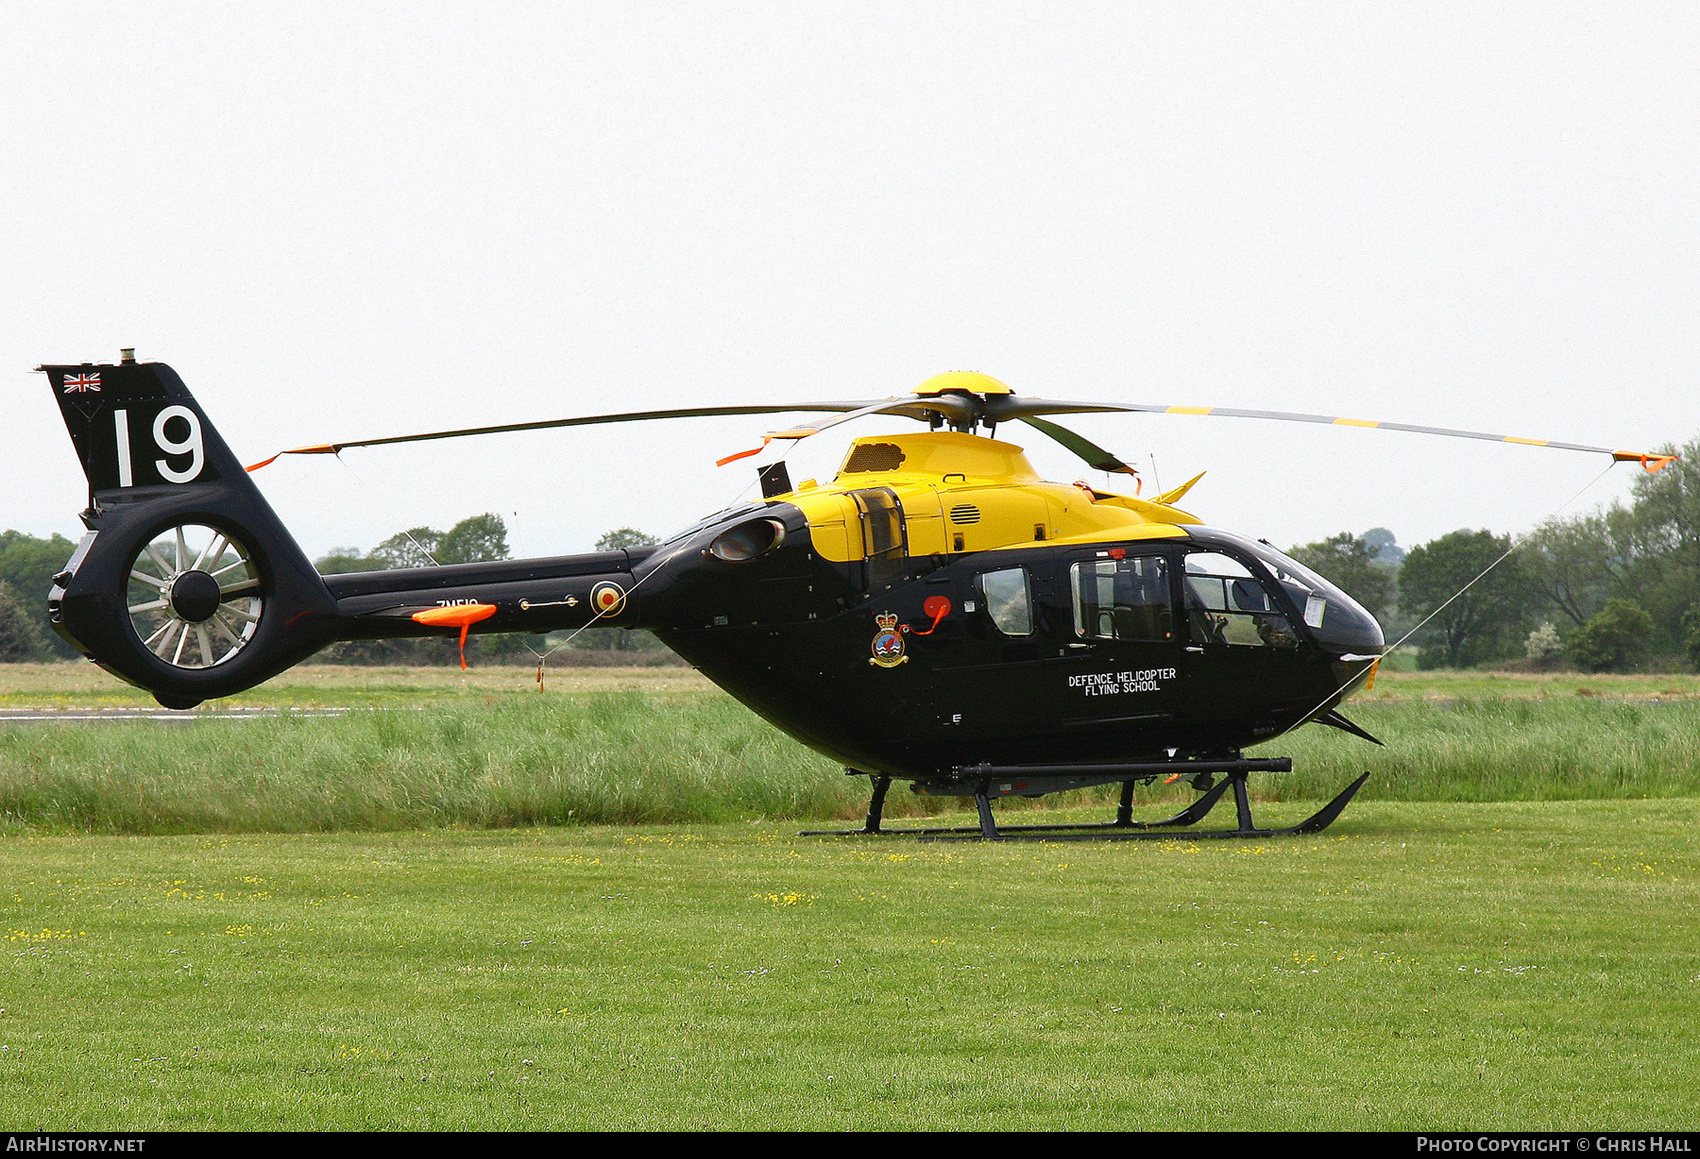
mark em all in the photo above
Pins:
pixel 461 616
pixel 1648 462
pixel 317 449
pixel 799 433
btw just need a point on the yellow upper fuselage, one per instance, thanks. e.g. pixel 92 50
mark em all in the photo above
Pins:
pixel 962 492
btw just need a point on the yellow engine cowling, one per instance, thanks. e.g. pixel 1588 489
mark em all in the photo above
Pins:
pixel 961 493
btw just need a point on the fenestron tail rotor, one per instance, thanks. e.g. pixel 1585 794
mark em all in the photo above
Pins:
pixel 187 584
pixel 195 596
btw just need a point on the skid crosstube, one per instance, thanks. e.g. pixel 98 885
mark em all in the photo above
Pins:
pixel 995 781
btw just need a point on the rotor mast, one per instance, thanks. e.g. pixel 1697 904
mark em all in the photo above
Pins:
pixel 969 389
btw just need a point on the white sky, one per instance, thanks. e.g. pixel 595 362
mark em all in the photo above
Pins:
pixel 341 220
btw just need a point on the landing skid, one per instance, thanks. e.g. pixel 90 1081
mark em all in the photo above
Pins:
pixel 1123 828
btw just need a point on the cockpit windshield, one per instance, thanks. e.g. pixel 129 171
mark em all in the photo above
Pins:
pixel 1307 589
pixel 1333 617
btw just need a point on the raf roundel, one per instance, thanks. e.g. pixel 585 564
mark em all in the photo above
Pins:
pixel 607 598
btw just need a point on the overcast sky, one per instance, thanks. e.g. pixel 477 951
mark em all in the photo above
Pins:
pixel 343 220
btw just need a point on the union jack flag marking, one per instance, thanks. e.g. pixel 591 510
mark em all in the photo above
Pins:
pixel 79 383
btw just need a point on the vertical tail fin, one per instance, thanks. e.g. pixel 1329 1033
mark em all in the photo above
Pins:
pixel 187 583
pixel 135 425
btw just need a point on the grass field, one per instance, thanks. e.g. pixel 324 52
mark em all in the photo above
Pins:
pixel 1463 966
pixel 1513 945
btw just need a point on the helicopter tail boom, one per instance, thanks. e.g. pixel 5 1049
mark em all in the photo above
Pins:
pixel 187 583
pixel 528 595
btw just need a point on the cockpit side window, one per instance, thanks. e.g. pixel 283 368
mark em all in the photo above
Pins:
pixel 1008 600
pixel 1226 604
pixel 1122 599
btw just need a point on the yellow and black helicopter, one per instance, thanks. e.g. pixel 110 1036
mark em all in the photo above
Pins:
pixel 936 613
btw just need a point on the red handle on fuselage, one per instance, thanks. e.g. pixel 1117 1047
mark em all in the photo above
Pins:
pixel 938 607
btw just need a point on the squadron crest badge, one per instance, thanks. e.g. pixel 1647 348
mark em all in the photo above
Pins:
pixel 888 642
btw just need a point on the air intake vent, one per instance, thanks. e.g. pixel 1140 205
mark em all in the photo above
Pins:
pixel 965 513
pixel 874 457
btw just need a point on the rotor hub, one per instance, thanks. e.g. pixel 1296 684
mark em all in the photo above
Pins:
pixel 963 381
pixel 194 596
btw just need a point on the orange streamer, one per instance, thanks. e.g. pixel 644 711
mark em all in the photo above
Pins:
pixel 1648 463
pixel 461 616
pixel 316 449
pixel 743 454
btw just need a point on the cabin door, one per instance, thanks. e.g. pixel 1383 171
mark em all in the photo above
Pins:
pixel 1119 667
pixel 1233 632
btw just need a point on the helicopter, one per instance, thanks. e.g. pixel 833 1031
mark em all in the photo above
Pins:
pixel 935 613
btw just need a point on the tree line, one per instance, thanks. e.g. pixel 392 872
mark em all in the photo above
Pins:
pixel 27 567
pixel 1613 590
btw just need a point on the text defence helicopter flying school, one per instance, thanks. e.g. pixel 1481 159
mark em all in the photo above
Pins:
pixel 936 613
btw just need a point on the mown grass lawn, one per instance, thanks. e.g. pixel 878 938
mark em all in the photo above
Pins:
pixel 1421 965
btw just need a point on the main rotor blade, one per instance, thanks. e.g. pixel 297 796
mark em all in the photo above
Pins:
pixel 581 421
pixel 958 409
pixel 1002 408
pixel 955 409
pixel 964 411
pixel 1095 456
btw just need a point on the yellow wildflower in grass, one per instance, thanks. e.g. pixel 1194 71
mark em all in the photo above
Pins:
pixel 790 897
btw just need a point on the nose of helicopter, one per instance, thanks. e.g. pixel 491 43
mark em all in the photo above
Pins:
pixel 1352 639
pixel 1347 633
pixel 1349 673
pixel 1344 627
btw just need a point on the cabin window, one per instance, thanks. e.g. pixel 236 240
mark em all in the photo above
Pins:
pixel 1008 601
pixel 1123 599
pixel 882 534
pixel 1227 605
